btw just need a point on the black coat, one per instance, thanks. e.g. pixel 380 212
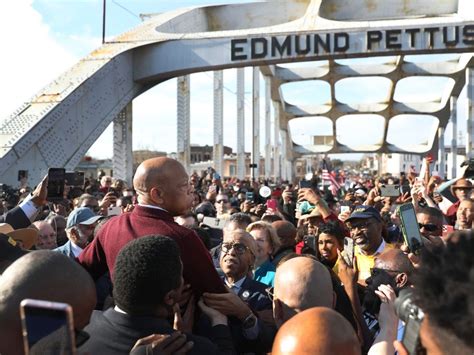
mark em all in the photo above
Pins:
pixel 112 332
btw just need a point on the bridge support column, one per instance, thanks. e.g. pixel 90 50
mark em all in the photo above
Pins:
pixel 470 113
pixel 184 121
pixel 284 156
pixel 268 129
pixel 255 161
pixel 441 153
pixel 241 123
pixel 276 144
pixel 454 139
pixel 218 151
pixel 122 161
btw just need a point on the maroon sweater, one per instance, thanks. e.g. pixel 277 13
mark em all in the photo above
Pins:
pixel 198 269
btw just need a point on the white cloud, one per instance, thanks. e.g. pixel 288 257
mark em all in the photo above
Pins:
pixel 31 58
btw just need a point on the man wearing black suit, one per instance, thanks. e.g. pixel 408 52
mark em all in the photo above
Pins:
pixel 247 305
pixel 148 282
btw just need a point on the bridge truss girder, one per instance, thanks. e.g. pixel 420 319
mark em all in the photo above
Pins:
pixel 57 126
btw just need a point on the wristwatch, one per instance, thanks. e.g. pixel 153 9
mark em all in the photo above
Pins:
pixel 250 321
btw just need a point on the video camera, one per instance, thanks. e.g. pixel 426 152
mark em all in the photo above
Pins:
pixel 412 315
pixel 469 173
pixel 9 194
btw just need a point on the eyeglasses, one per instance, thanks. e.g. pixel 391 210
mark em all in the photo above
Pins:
pixel 360 225
pixel 430 227
pixel 377 271
pixel 222 201
pixel 239 248
pixel 269 292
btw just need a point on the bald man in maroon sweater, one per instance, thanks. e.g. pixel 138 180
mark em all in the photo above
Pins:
pixel 163 191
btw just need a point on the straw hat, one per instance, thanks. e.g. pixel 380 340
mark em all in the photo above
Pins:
pixel 27 236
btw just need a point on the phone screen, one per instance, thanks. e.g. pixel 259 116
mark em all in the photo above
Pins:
pixel 348 251
pixel 46 328
pixel 305 184
pixel 411 230
pixel 56 181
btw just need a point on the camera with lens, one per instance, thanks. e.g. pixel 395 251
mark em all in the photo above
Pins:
pixel 469 173
pixel 309 245
pixel 412 316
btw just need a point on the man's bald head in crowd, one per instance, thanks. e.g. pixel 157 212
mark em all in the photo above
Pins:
pixel 301 283
pixel 317 330
pixel 155 172
pixel 397 260
pixel 286 231
pixel 163 182
pixel 44 275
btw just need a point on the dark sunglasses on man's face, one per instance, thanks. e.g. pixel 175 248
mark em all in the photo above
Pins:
pixel 377 271
pixel 239 248
pixel 430 227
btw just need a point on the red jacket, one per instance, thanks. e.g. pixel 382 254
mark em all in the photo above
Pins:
pixel 198 269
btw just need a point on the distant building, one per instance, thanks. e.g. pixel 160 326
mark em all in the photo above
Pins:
pixel 91 167
pixel 201 153
pixel 448 158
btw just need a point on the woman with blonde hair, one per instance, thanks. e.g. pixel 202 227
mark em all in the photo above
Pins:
pixel 268 243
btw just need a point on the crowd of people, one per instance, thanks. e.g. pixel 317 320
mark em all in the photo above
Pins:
pixel 200 264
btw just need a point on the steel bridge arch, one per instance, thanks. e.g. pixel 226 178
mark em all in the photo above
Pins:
pixel 59 124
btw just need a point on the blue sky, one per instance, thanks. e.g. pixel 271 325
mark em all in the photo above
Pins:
pixel 45 37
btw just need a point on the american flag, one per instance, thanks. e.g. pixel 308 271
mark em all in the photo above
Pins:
pixel 327 176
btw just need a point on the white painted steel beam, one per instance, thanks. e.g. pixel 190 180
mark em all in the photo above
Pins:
pixel 241 168
pixel 441 153
pixel 276 143
pixel 184 121
pixel 254 172
pixel 268 128
pixel 123 157
pixel 454 138
pixel 59 124
pixel 470 113
pixel 218 151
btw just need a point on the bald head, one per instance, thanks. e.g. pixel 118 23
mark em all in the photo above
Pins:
pixel 154 172
pixel 286 231
pixel 317 330
pixel 394 259
pixel 163 182
pixel 301 283
pixel 44 275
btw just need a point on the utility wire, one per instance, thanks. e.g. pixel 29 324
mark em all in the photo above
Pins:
pixel 125 9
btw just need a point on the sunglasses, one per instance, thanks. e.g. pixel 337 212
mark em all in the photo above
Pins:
pixel 362 225
pixel 430 227
pixel 377 271
pixel 239 248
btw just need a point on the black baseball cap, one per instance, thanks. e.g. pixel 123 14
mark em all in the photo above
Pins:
pixel 364 212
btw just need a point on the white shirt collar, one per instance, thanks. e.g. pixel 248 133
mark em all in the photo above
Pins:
pixel 381 247
pixel 152 206
pixel 76 250
pixel 236 286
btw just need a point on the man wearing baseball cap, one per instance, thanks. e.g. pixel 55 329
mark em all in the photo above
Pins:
pixel 80 230
pixel 365 227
